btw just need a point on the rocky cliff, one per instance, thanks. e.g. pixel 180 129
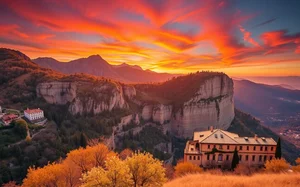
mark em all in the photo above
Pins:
pixel 208 103
pixel 86 97
pixel 211 105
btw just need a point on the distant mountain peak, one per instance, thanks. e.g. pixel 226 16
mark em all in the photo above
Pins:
pixel 128 65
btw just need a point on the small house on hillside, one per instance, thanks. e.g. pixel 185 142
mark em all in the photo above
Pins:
pixel 34 114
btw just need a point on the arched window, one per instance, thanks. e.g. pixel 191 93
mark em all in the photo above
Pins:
pixel 220 157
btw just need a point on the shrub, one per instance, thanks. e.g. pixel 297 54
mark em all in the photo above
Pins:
pixel 184 168
pixel 297 168
pixel 276 166
pixel 244 169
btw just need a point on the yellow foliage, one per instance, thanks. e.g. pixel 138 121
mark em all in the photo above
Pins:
pixel 184 168
pixel 276 165
pixel 256 180
pixel 145 170
pixel 297 168
pixel 116 174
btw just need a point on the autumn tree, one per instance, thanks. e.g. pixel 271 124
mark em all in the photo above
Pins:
pixel 297 167
pixel 100 152
pixel 145 170
pixel 184 168
pixel 125 153
pixel 49 175
pixel 116 174
pixel 82 158
pixel 276 165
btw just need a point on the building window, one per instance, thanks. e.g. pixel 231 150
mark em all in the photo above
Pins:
pixel 265 158
pixel 198 157
pixel 240 157
pixel 214 157
pixel 272 148
pixel 220 147
pixel 192 149
pixel 190 157
pixel 247 157
pixel 254 148
pixel 241 147
pixel 214 146
pixel 261 148
pixel 260 158
pixel 208 146
pixel 247 148
pixel 228 147
pixel 266 148
pixel 207 156
pixel 220 157
pixel 253 158
pixel 227 157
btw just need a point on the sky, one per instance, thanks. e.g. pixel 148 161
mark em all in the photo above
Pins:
pixel 240 38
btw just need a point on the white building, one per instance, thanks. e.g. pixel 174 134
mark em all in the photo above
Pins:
pixel 34 114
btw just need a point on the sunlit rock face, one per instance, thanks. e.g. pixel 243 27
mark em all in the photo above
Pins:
pixel 94 99
pixel 57 92
pixel 211 105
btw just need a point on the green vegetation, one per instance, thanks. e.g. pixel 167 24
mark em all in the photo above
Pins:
pixel 235 159
pixel 147 139
pixel 278 149
pixel 175 91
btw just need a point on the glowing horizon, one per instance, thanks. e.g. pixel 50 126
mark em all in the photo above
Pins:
pixel 240 38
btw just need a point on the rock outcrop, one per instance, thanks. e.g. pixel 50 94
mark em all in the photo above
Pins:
pixel 95 99
pixel 211 105
pixel 57 92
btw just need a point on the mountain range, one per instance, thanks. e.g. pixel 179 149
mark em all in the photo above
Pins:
pixel 96 65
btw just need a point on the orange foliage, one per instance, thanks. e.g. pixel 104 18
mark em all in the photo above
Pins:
pixel 125 153
pixel 276 165
pixel 184 168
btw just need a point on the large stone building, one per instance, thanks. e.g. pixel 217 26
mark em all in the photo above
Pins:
pixel 215 147
pixel 34 114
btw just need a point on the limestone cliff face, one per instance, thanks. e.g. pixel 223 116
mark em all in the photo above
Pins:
pixel 86 97
pixel 57 92
pixel 211 105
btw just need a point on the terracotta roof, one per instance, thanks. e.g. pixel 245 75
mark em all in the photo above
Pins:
pixel 32 111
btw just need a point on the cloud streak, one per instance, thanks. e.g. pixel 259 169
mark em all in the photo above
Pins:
pixel 169 35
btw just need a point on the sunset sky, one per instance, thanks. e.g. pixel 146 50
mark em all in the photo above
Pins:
pixel 241 38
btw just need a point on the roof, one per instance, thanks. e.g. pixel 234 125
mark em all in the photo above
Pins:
pixel 219 136
pixel 257 141
pixel 215 136
pixel 32 111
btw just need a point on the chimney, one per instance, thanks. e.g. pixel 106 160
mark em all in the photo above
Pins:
pixel 211 128
pixel 255 136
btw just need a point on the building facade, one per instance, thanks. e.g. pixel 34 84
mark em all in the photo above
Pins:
pixel 34 114
pixel 215 147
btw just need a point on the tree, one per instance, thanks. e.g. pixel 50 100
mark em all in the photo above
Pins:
pixel 116 175
pixel 100 154
pixel 21 127
pixel 82 158
pixel 276 165
pixel 297 167
pixel 50 175
pixel 145 170
pixel 117 172
pixel 125 153
pixel 235 159
pixel 184 168
pixel 83 140
pixel 278 149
